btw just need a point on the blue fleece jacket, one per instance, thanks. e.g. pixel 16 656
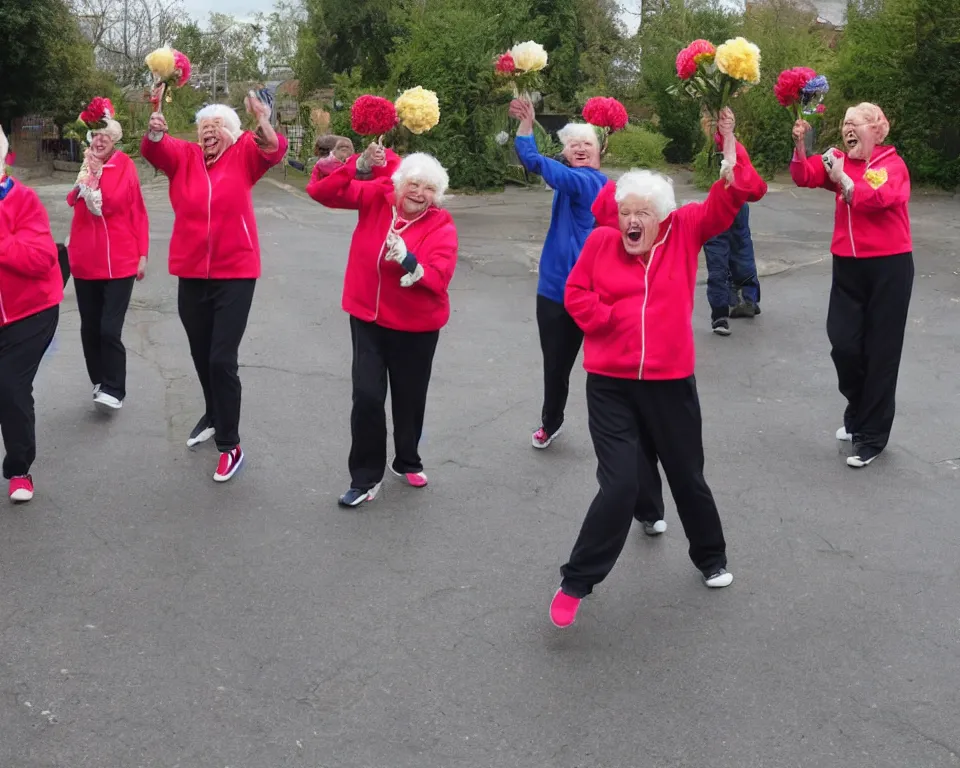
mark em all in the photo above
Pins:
pixel 571 221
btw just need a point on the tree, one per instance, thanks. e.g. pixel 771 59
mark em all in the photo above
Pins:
pixel 313 43
pixel 123 32
pixel 47 65
pixel 282 26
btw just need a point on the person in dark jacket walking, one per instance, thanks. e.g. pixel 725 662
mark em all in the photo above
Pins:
pixel 576 185
pixel 31 289
pixel 632 294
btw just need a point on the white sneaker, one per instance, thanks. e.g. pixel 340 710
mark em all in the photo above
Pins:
pixel 657 528
pixel 843 435
pixel 718 580
pixel 106 403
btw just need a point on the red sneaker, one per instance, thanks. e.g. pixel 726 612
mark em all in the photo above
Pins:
pixel 230 462
pixel 563 609
pixel 414 479
pixel 21 489
pixel 542 440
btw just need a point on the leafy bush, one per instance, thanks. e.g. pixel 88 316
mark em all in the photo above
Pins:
pixel 637 147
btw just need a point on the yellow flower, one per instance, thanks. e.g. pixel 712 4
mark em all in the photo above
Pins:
pixel 529 56
pixel 418 109
pixel 161 63
pixel 740 59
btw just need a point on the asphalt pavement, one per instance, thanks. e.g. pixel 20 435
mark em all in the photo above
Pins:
pixel 150 617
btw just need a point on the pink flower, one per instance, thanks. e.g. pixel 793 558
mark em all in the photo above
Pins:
pixel 605 112
pixel 182 64
pixel 821 108
pixel 686 66
pixel 505 65
pixel 791 83
pixel 702 50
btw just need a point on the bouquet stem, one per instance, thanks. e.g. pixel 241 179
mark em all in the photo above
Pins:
pixel 159 91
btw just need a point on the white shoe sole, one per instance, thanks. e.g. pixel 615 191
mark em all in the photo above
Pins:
pixel 208 433
pixel 218 478
pixel 857 463
pixel 21 497
pixel 720 581
pixel 722 331
pixel 542 446
pixel 107 407
pixel 844 436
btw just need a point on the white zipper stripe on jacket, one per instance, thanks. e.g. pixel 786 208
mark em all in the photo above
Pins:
pixel 209 213
pixel 246 231
pixel 3 314
pixel 646 293
pixel 106 231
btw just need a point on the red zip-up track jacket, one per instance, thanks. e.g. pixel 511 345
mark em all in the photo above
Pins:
pixel 876 221
pixel 637 316
pixel 214 229
pixel 109 247
pixel 371 286
pixel 30 277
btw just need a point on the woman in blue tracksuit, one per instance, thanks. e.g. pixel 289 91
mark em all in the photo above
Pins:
pixel 576 183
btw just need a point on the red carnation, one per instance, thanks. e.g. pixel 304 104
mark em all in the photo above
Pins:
pixel 372 116
pixel 686 66
pixel 791 83
pixel 505 64
pixel 605 112
pixel 87 117
pixel 701 50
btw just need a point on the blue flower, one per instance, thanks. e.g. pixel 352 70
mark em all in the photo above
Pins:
pixel 819 84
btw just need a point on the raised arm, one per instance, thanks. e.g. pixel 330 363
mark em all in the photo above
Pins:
pixel 726 197
pixel 580 299
pixel 161 150
pixel 28 248
pixel 342 190
pixel 807 171
pixel 266 147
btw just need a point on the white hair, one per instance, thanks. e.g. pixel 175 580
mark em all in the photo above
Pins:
pixel 231 120
pixel 4 148
pixel 424 168
pixel 113 130
pixel 578 132
pixel 648 185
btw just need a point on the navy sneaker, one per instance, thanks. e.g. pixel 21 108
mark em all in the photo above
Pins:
pixel 355 497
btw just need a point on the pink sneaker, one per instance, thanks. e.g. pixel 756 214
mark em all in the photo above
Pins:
pixel 414 479
pixel 563 609
pixel 229 464
pixel 542 440
pixel 21 489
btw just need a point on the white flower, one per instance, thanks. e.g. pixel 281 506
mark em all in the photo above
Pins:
pixel 529 56
pixel 502 138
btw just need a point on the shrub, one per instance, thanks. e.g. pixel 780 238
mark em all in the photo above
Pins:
pixel 637 147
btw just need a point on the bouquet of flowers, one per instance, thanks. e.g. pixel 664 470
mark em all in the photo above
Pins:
pixel 93 118
pixel 373 116
pixel 522 65
pixel 801 90
pixel 606 114
pixel 170 69
pixel 418 110
pixel 716 74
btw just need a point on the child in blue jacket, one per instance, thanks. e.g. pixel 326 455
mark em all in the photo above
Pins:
pixel 576 184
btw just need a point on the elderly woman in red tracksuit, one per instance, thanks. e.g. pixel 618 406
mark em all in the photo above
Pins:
pixel 872 270
pixel 108 248
pixel 215 252
pixel 402 258
pixel 631 292
pixel 31 289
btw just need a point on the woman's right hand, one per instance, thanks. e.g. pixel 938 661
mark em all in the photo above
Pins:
pixel 158 123
pixel 800 130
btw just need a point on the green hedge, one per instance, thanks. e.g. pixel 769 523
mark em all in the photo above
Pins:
pixel 636 147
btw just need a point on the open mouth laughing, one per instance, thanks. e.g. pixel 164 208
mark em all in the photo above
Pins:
pixel 635 233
